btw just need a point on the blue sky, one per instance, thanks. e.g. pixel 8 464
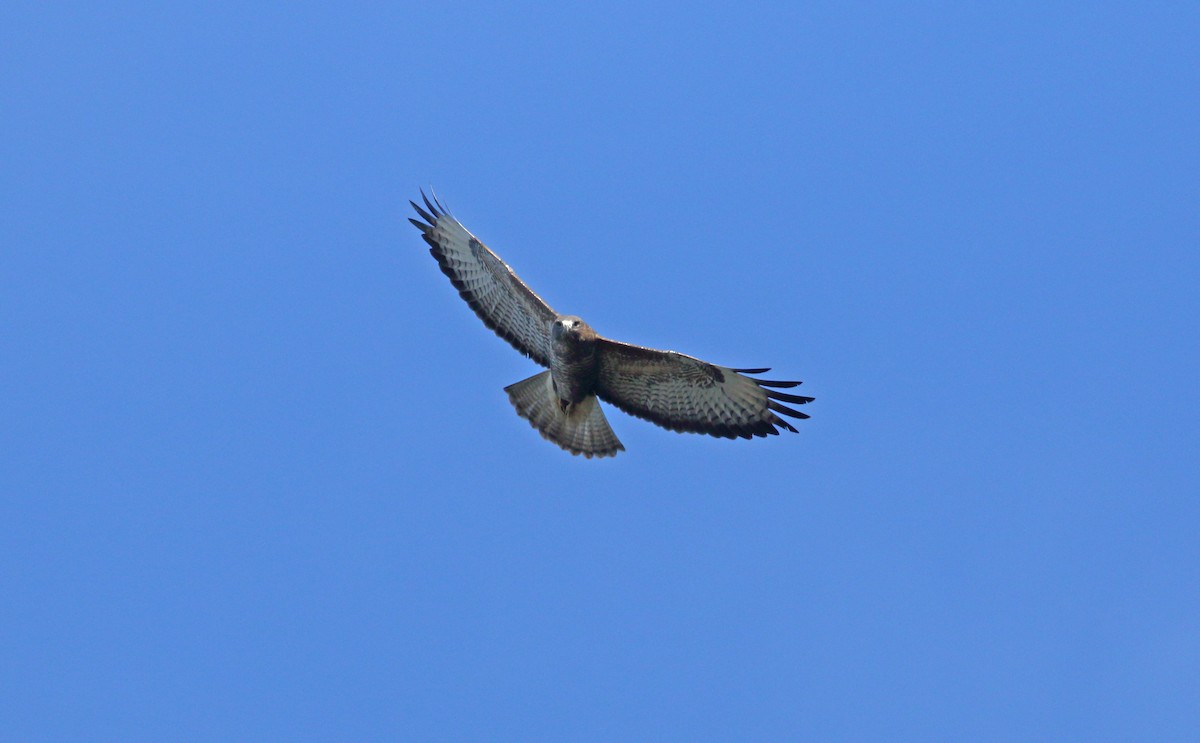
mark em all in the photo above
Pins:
pixel 260 480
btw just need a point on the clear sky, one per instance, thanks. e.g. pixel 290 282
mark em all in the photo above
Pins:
pixel 259 479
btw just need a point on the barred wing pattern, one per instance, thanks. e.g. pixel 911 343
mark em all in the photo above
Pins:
pixel 502 301
pixel 685 394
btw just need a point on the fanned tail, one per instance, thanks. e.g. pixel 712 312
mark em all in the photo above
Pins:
pixel 582 429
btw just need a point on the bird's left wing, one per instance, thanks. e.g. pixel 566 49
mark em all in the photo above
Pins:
pixel 502 301
pixel 685 394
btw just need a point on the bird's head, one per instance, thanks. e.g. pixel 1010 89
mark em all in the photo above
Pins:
pixel 570 326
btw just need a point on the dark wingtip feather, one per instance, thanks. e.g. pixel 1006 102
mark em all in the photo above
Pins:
pixel 437 201
pixel 430 205
pixel 773 383
pixel 753 371
pixel 424 214
pixel 786 410
pixel 801 399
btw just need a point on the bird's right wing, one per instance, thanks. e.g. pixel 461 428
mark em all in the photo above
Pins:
pixel 502 301
pixel 688 395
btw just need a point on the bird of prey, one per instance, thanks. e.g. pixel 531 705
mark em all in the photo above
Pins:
pixel 677 392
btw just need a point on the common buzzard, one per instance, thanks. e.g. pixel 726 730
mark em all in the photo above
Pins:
pixel 672 390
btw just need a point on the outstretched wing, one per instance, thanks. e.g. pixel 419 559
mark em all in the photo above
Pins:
pixel 689 395
pixel 502 301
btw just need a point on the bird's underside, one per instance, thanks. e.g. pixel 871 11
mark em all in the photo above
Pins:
pixel 670 389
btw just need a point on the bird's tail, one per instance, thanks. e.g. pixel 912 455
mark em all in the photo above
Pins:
pixel 581 429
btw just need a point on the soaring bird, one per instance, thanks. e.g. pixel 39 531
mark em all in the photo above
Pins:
pixel 670 389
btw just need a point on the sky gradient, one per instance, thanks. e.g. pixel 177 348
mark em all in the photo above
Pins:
pixel 259 479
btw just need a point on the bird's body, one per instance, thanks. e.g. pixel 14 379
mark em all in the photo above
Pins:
pixel 573 363
pixel 670 389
